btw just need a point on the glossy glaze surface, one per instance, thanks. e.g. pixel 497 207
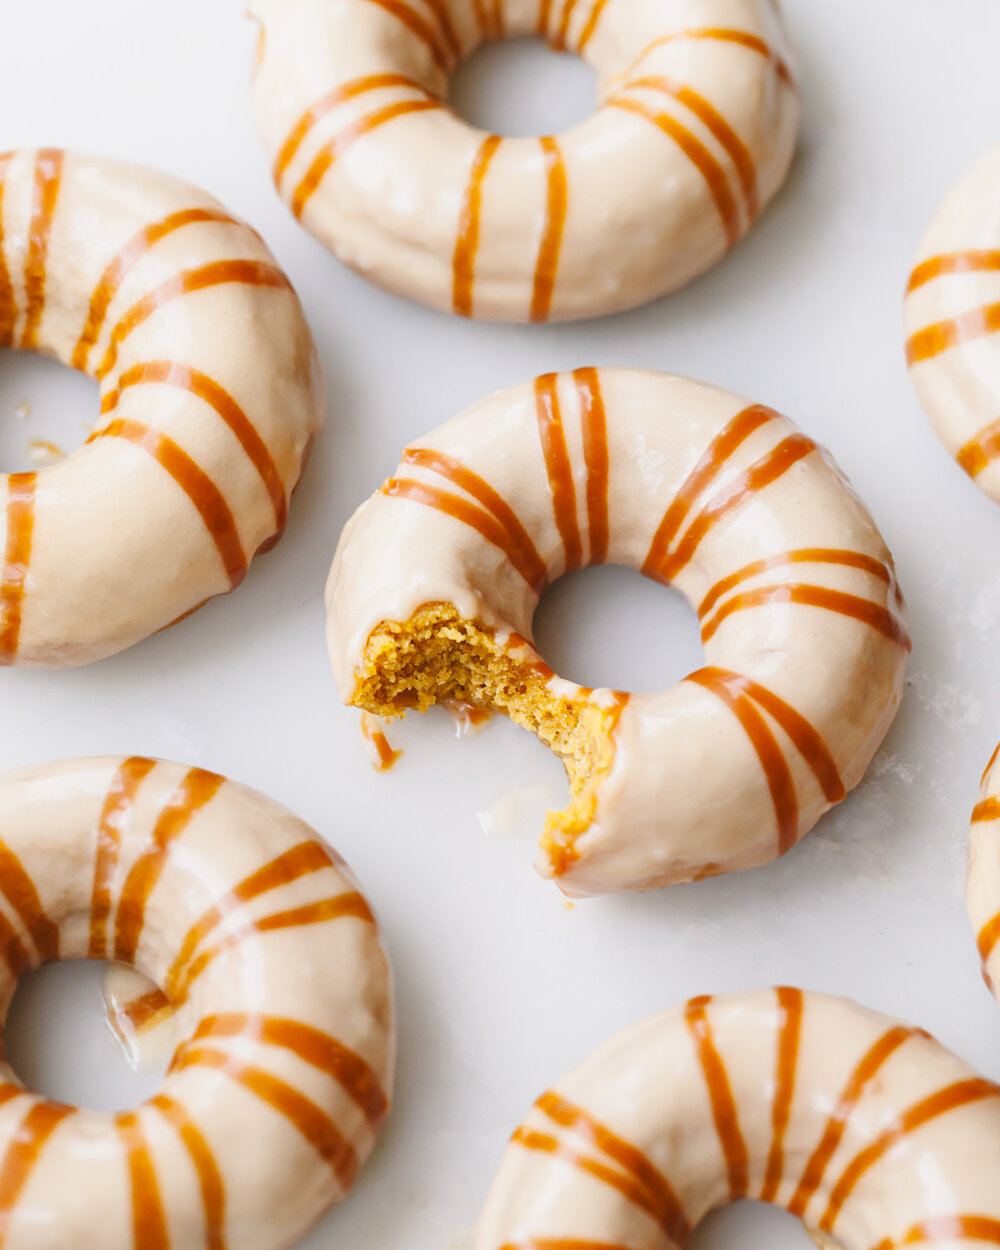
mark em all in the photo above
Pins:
pixel 269 959
pixel 210 397
pixel 864 1128
pixel 693 134
pixel 802 621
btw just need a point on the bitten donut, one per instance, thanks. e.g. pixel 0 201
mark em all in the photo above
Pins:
pixel 952 316
pixel 210 398
pixel 692 135
pixel 867 1130
pixel 437 576
pixel 271 958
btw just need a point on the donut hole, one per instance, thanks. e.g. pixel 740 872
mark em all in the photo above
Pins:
pixel 755 1226
pixel 610 626
pixel 519 87
pixel 46 411
pixel 58 1040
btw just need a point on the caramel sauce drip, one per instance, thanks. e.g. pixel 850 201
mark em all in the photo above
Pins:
pixel 467 242
pixel 953 262
pixel 193 794
pixel 149 1222
pixel 48 173
pixel 556 204
pixel 338 145
pixel 698 154
pixel 716 124
pixel 114 820
pixel 187 282
pixel 724 1112
pixel 948 1228
pixel 708 467
pixel 954 1097
pixel 314 1047
pixel 719 34
pixel 310 1120
pixel 210 1182
pixel 17 559
pixel 558 468
pixel 326 104
pixel 872 614
pixel 857 1085
pixel 187 378
pixel 384 756
pixel 196 484
pixel 944 335
pixel 124 262
pixel 595 454
pixel 8 306
pixel 23 1153
pixel 791 1006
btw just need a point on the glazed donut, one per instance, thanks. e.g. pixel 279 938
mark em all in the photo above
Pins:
pixel 952 315
pixel 983 884
pixel 693 134
pixel 210 398
pixel 437 576
pixel 272 960
pixel 865 1129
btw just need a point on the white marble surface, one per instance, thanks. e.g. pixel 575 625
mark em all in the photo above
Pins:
pixel 500 988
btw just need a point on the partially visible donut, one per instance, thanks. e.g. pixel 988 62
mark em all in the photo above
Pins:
pixel 867 1130
pixel 692 136
pixel 271 959
pixel 210 391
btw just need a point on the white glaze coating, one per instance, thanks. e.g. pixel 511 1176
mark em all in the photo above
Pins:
pixel 284 1018
pixel 210 398
pixel 867 1130
pixel 983 884
pixel 952 315
pixel 693 134
pixel 717 773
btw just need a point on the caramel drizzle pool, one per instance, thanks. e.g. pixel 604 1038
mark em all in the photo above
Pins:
pixel 592 1147
pixel 316 1048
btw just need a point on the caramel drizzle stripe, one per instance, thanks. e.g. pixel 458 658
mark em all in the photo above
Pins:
pixel 981 450
pixel 791 1004
pixel 993 759
pixel 670 1212
pixel 711 463
pixel 558 468
pixel 535 574
pixel 350 904
pixel 196 484
pixel 210 1181
pixel 595 454
pixel 385 755
pixel 866 1071
pixel 17 559
pixel 326 104
pixel 943 335
pixel 301 861
pixel 124 262
pixel 23 1154
pixel 301 1112
pixel 338 145
pixel 554 223
pixel 561 1243
pixel 8 306
pixel 699 156
pixel 444 56
pixel 953 262
pixel 724 1113
pixel 802 555
pixel 872 614
pixel 48 173
pixel 18 888
pixel 591 25
pixel 729 689
pixel 149 1222
pixel 632 1190
pixel 187 378
pixel 988 938
pixel 193 794
pixel 463 263
pixel 13 951
pixel 499 22
pixel 188 281
pixel 720 129
pixel 948 1228
pixel 762 473
pixel 141 1012
pixel 117 809
pixel 988 809
pixel 953 1098
pixel 544 16
pixel 318 1049
pixel 720 34
pixel 560 40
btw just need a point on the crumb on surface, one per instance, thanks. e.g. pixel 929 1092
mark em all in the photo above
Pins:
pixel 437 655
